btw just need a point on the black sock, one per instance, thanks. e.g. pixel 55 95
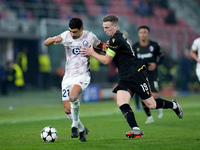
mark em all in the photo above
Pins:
pixel 161 103
pixel 129 115
pixel 146 109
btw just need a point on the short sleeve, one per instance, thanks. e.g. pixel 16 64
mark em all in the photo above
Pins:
pixel 195 44
pixel 159 50
pixel 95 40
pixel 63 36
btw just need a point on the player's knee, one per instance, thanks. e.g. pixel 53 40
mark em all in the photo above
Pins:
pixel 150 103
pixel 120 103
pixel 151 106
pixel 72 97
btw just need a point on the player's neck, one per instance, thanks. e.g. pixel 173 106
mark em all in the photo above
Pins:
pixel 144 42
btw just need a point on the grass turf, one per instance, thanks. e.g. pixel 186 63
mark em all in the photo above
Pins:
pixel 33 110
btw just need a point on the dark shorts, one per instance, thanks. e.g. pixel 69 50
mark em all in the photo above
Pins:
pixel 154 86
pixel 153 80
pixel 137 83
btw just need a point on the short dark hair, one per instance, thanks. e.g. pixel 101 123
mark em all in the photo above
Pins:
pixel 144 27
pixel 111 18
pixel 75 23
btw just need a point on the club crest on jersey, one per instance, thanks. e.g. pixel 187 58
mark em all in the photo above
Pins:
pixel 138 49
pixel 85 43
pixel 113 40
pixel 151 48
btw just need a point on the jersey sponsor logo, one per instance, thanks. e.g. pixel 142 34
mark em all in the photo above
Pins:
pixel 75 46
pixel 76 50
pixel 147 55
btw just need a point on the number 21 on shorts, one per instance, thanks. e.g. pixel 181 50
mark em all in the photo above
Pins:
pixel 65 92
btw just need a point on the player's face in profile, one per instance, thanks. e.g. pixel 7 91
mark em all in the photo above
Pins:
pixel 76 33
pixel 143 34
pixel 109 29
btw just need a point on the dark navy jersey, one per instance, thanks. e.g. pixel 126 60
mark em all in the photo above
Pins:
pixel 124 58
pixel 147 54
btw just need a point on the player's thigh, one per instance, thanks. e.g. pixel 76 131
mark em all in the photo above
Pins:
pixel 75 92
pixel 123 97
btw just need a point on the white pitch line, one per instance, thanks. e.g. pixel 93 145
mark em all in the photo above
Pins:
pixel 57 118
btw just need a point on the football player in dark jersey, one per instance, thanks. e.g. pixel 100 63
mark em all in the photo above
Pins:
pixel 132 75
pixel 151 55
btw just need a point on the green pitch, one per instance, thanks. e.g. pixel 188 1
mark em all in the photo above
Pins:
pixel 31 111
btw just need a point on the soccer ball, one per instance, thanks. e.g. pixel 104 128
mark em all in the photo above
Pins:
pixel 49 134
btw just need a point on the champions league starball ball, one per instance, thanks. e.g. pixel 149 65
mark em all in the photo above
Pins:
pixel 49 134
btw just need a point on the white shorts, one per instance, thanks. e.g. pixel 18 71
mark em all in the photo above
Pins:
pixel 67 84
pixel 198 73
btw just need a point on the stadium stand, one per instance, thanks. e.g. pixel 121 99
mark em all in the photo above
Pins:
pixel 65 9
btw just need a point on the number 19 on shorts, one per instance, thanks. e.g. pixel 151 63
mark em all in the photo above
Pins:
pixel 144 87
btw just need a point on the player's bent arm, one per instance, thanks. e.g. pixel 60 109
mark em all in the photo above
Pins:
pixel 49 41
pixel 193 55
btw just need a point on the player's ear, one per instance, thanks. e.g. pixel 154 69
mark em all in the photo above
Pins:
pixel 82 29
pixel 116 26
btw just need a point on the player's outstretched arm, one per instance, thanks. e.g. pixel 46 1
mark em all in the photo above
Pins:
pixel 50 41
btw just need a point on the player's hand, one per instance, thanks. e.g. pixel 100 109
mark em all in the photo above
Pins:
pixel 58 39
pixel 151 66
pixel 106 45
pixel 87 51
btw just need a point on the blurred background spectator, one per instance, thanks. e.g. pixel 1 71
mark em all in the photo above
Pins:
pixel 13 77
pixel 186 67
pixel 44 66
